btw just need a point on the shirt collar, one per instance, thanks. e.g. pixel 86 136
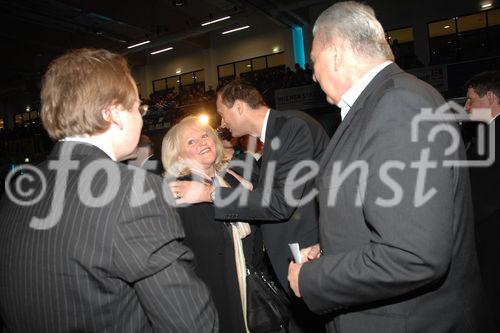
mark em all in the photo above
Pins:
pixel 91 141
pixel 493 119
pixel 264 127
pixel 350 96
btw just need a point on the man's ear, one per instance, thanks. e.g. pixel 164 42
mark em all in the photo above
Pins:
pixel 113 115
pixel 492 98
pixel 239 106
pixel 334 56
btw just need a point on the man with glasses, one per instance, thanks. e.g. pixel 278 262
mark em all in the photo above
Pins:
pixel 98 249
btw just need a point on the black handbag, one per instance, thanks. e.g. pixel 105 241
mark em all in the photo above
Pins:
pixel 268 308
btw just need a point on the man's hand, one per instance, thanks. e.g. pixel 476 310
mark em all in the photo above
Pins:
pixel 310 253
pixel 293 277
pixel 190 192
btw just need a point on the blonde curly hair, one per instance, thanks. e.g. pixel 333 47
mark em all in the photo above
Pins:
pixel 171 148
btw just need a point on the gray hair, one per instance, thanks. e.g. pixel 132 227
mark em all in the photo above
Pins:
pixel 356 24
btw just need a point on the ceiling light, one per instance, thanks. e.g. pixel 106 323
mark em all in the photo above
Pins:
pixel 138 44
pixel 276 49
pixel 216 20
pixel 163 50
pixel 237 29
pixel 178 71
pixel 486 5
pixel 446 26
pixel 249 65
pixel 178 3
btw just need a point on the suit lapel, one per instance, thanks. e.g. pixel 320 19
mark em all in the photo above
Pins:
pixel 355 109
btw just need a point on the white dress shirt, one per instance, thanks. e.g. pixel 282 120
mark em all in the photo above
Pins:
pixel 350 96
pixel 264 127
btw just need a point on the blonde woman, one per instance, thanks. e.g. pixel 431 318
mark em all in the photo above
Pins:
pixel 192 151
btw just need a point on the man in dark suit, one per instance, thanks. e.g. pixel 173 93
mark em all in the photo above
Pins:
pixel 284 207
pixel 483 92
pixel 396 225
pixel 97 248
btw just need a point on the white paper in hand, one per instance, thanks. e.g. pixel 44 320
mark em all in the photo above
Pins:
pixel 294 247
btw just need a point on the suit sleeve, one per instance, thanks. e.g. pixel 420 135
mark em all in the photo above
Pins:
pixel 149 255
pixel 268 201
pixel 411 243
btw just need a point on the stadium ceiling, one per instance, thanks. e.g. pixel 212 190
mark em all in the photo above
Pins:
pixel 35 31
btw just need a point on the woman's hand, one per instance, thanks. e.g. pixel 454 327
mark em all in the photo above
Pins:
pixel 190 192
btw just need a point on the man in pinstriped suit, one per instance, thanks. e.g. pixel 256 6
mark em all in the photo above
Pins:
pixel 88 244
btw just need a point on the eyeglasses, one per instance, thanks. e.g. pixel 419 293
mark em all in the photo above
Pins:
pixel 143 108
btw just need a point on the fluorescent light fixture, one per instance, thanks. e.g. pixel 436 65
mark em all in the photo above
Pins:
pixel 446 26
pixel 138 44
pixel 249 65
pixel 163 50
pixel 486 5
pixel 178 71
pixel 237 29
pixel 216 20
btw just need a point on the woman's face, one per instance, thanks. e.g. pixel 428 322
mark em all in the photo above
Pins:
pixel 197 147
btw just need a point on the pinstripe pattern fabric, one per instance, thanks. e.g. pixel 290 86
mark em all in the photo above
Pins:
pixel 116 268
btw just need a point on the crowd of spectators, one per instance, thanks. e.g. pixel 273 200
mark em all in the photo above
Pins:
pixel 167 106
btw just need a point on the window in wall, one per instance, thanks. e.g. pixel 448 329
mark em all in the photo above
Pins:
pixel 471 22
pixel 159 85
pixel 26 117
pixel 259 63
pixel 2 126
pixel 33 115
pixel 19 119
pixel 187 79
pixel 493 17
pixel 466 37
pixel 403 48
pixel 275 60
pixel 402 36
pixel 442 28
pixel 173 82
pixel 494 31
pixel 240 68
pixel 199 76
pixel 226 70
pixel 243 67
